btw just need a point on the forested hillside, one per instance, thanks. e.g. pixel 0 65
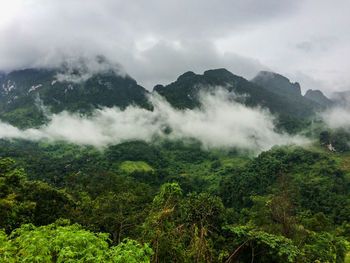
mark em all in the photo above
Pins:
pixel 168 198
pixel 182 204
pixel 188 131
pixel 28 95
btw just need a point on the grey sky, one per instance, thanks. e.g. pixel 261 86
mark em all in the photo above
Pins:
pixel 155 41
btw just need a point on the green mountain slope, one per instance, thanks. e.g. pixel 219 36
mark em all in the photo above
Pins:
pixel 183 93
pixel 318 97
pixel 278 84
pixel 23 91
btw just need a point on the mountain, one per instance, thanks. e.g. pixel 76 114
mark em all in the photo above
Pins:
pixel 183 93
pixel 318 97
pixel 80 89
pixel 282 86
pixel 341 98
pixel 277 84
pixel 2 76
pixel 23 91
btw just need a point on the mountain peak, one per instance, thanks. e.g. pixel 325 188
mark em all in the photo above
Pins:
pixel 218 72
pixel 319 97
pixel 186 75
pixel 183 93
pixel 81 69
pixel 73 90
pixel 277 83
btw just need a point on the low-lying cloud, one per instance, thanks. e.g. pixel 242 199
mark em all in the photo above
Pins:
pixel 220 122
pixel 338 117
pixel 80 69
pixel 155 41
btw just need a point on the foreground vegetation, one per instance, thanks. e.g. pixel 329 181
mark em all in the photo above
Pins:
pixel 172 202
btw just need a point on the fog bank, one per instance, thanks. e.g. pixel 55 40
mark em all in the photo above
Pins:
pixel 220 122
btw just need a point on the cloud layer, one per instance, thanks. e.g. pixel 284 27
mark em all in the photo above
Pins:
pixel 338 117
pixel 219 123
pixel 309 41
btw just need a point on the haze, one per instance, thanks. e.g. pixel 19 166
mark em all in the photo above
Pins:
pixel 155 41
pixel 220 123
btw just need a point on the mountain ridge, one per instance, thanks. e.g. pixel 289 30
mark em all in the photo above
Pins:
pixel 319 97
pixel 183 93
pixel 21 90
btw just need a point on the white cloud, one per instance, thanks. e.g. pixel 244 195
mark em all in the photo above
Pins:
pixel 78 69
pixel 158 40
pixel 338 117
pixel 218 123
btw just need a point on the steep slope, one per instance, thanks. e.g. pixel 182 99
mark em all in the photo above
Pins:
pixel 318 97
pixel 183 93
pixel 278 84
pixel 283 87
pixel 23 91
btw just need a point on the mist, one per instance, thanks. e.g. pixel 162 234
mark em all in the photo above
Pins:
pixel 156 41
pixel 338 117
pixel 79 69
pixel 220 122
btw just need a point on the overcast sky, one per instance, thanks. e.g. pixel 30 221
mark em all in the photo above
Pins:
pixel 155 41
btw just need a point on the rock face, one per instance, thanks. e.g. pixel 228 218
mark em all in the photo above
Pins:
pixel 183 93
pixel 278 84
pixel 22 91
pixel 319 97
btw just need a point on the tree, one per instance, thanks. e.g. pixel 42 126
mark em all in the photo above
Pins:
pixel 161 227
pixel 268 247
pixel 203 215
pixel 23 201
pixel 61 242
pixel 325 138
pixel 114 213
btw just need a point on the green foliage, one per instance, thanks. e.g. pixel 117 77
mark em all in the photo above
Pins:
pixel 339 138
pixel 129 167
pixel 103 89
pixel 289 124
pixel 324 247
pixel 325 138
pixel 168 195
pixel 202 214
pixel 60 242
pixel 160 227
pixel 287 204
pixel 23 201
pixel 275 248
pixel 183 93
pixel 115 213
pixel 317 184
pixel 130 251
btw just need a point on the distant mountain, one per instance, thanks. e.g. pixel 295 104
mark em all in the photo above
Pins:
pixel 2 76
pixel 277 84
pixel 282 86
pixel 183 93
pixel 341 98
pixel 22 91
pixel 319 97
